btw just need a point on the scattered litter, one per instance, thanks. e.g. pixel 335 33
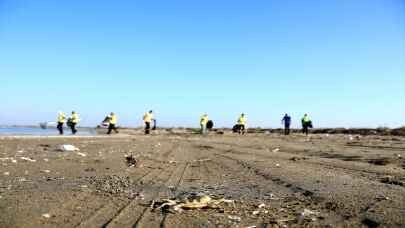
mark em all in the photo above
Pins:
pixel 382 197
pixel 84 186
pixel 6 159
pixel 22 179
pixel 28 159
pixel 46 171
pixel 20 151
pixel 6 173
pixel 294 159
pixel 190 202
pixel 81 154
pixel 46 160
pixel 46 216
pixel 276 150
pixel 234 218
pixel 55 178
pixel 271 196
pixel 172 162
pixel 68 148
pixel 278 165
pixel 133 162
pixel 261 206
pixel 307 213
pixel 136 196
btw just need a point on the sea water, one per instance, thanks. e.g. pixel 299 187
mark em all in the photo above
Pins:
pixel 40 131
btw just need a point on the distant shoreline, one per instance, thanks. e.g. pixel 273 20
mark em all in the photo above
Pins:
pixel 339 130
pixel 38 127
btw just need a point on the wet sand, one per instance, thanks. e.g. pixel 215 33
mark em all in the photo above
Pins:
pixel 320 181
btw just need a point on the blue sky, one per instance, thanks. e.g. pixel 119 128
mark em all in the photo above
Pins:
pixel 341 61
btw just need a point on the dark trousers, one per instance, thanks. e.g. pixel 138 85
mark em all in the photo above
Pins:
pixel 305 129
pixel 147 128
pixel 286 129
pixel 60 128
pixel 242 129
pixel 73 127
pixel 112 127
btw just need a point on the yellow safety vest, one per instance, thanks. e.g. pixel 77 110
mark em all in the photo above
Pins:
pixel 75 118
pixel 242 120
pixel 113 119
pixel 147 118
pixel 61 118
pixel 204 120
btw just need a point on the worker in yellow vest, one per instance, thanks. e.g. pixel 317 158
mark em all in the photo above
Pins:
pixel 147 119
pixel 61 122
pixel 203 123
pixel 242 124
pixel 306 124
pixel 112 123
pixel 73 121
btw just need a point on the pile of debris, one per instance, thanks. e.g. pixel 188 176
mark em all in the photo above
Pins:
pixel 190 201
pixel 131 161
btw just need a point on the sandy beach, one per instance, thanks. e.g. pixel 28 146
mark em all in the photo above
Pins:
pixel 273 180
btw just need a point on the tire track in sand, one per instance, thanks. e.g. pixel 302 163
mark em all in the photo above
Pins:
pixel 132 213
pixel 107 213
pixel 178 182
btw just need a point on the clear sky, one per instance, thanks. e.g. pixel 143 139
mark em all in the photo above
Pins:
pixel 340 61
